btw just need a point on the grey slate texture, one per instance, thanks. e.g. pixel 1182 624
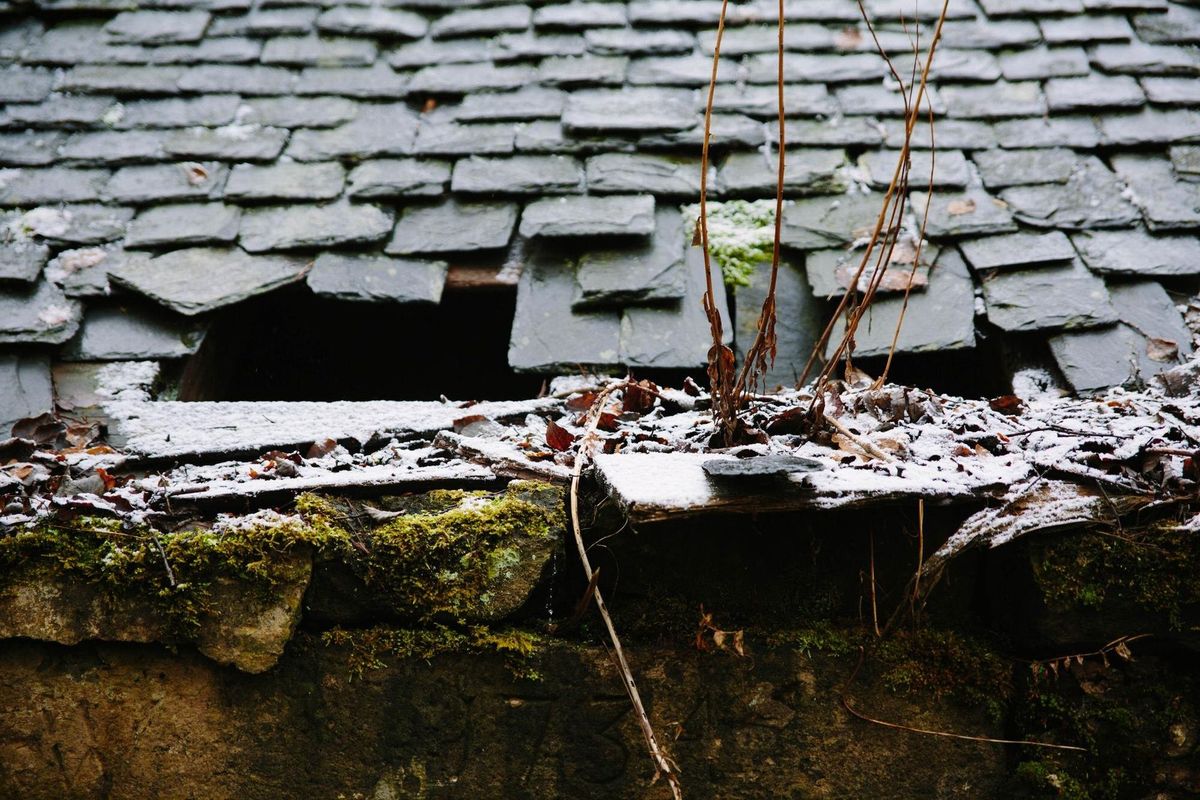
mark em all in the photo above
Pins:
pixel 163 141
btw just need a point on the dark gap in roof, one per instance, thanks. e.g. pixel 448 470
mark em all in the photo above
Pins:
pixel 966 373
pixel 292 345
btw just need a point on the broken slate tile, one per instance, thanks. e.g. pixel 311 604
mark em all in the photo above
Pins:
pixel 638 173
pixel 674 336
pixel 800 318
pixel 1125 354
pixel 1018 250
pixel 806 171
pixel 1093 92
pixel 532 102
pixel 949 168
pixel 817 223
pixel 1079 132
pixel 1150 126
pixel 157 27
pixel 183 224
pixel 452 139
pixel 83 271
pixel 200 279
pixel 127 332
pixel 1051 297
pixel 613 215
pixel 26 389
pixel 22 260
pixel 373 21
pixel 37 313
pixel 151 183
pixel 636 273
pixel 387 129
pixel 309 226
pixel 939 319
pixel 547 336
pixel 285 181
pixel 517 175
pixel 1042 62
pixel 1091 198
pixel 229 143
pixel 970 213
pixel 630 110
pixel 1167 204
pixel 77 224
pixel 30 187
pixel 375 278
pixel 473 22
pixel 1003 168
pixel 399 178
pixel 452 226
pixel 831 272
pixel 1136 252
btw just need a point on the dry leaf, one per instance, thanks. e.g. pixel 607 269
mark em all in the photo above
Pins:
pixel 1162 349
pixel 1123 651
pixel 558 437
pixel 847 38
pixel 957 208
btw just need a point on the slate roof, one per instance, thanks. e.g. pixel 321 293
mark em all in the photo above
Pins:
pixel 203 152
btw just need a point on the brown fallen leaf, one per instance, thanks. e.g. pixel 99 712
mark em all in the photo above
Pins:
pixel 1162 350
pixel 558 437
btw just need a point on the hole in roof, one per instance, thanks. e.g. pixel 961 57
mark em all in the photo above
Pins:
pixel 292 345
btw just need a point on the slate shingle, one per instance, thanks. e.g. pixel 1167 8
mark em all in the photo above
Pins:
pixel 1086 29
pixel 30 148
pixel 995 101
pixel 22 260
pixel 448 138
pixel 132 332
pixel 956 134
pixel 26 388
pixel 1047 298
pixel 799 100
pixel 230 142
pixel 147 184
pixel 580 15
pixel 157 27
pixel 1018 250
pixel 452 227
pixel 1135 252
pixel 248 80
pixel 377 81
pixel 105 79
pixel 633 110
pixel 800 320
pixel 428 52
pixel 183 224
pixel 60 111
pixel 210 110
pixel 691 70
pixel 517 175
pixel 312 226
pixel 1172 91
pixel 567 217
pixel 806 171
pixel 373 21
pixel 1150 126
pixel 1179 25
pixel 1186 160
pixel 112 147
pixel 816 68
pixel 614 42
pixel 298 112
pixel 377 129
pixel 1002 168
pixel 309 51
pixel 195 280
pixel 473 22
pixel 23 85
pixel 1167 204
pixel 1093 92
pixel 31 187
pixel 1042 62
pixel 949 168
pixel 374 278
pixel 83 223
pixel 636 173
pixel 83 271
pixel 1079 132
pixel 817 223
pixel 528 46
pixel 37 313
pixel 266 22
pixel 285 181
pixel 380 178
pixel 1140 59
pixel 571 71
pixel 466 78
pixel 639 272
pixel 532 102
pixel 1091 198
pixel 973 212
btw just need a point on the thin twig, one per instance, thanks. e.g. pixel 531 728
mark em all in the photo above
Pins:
pixel 862 443
pixel 167 564
pixel 874 604
pixel 663 766
pixel 845 699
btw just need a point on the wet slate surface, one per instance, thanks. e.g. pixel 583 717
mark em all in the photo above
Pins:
pixel 26 389
pixel 639 272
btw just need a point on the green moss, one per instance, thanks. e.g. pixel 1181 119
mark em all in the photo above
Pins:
pixel 371 648
pixel 1042 779
pixel 821 638
pixel 1154 568
pixel 741 235
pixel 946 664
